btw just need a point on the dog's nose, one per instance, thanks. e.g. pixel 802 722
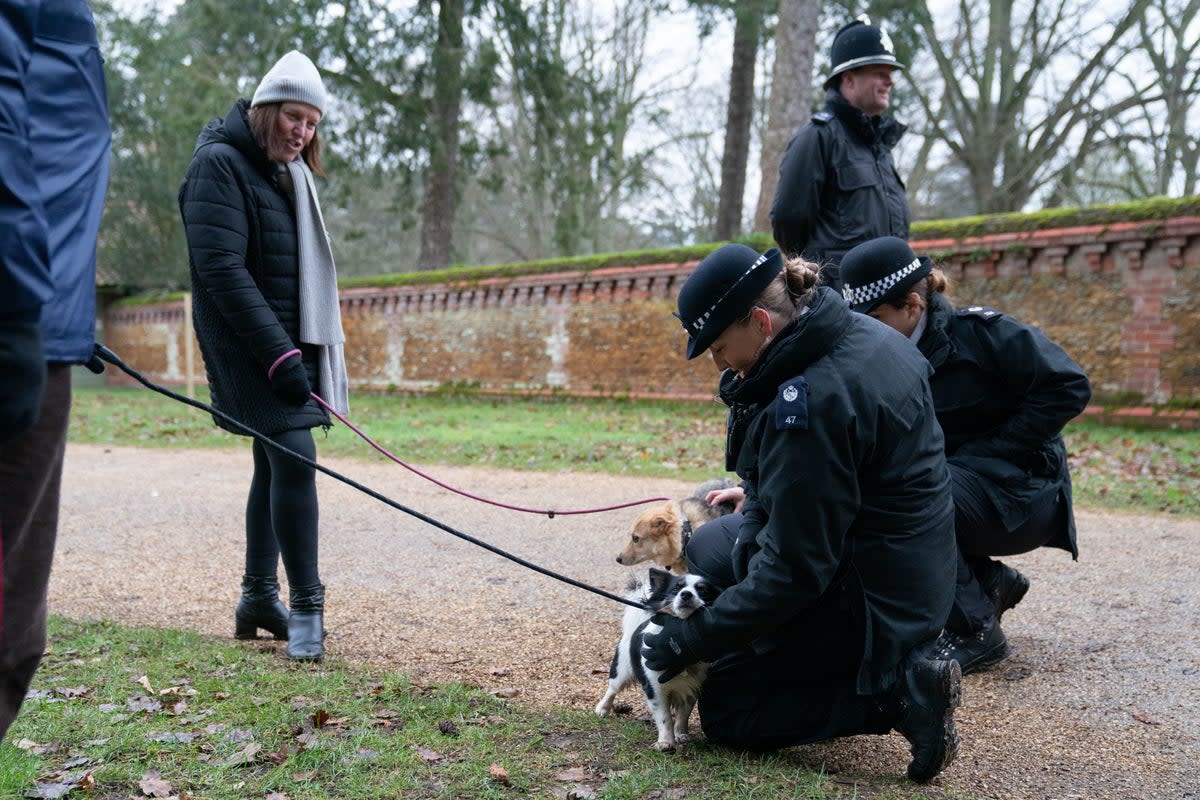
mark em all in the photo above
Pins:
pixel 619 561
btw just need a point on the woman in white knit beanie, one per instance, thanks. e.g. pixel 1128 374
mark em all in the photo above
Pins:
pixel 266 314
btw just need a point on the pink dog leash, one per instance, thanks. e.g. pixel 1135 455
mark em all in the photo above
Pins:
pixel 551 513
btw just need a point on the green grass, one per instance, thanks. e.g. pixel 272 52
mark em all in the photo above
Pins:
pixel 1113 468
pixel 114 707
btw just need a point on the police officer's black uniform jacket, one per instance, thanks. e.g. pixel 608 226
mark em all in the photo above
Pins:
pixel 245 266
pixel 848 513
pixel 838 185
pixel 1003 393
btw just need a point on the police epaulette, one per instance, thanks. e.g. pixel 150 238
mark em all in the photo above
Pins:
pixel 791 407
pixel 821 117
pixel 983 312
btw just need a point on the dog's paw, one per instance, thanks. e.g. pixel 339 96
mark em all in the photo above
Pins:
pixel 664 746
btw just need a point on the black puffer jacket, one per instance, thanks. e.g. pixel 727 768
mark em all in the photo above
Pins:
pixel 243 251
pixel 1003 393
pixel 838 186
pixel 848 514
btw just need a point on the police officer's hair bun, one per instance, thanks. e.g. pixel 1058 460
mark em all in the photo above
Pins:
pixel 792 290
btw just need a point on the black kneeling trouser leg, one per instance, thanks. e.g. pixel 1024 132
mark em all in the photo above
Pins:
pixel 981 533
pixel 788 696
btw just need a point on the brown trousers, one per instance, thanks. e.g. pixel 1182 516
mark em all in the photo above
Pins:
pixel 30 478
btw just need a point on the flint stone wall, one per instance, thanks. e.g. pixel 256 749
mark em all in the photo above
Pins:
pixel 1121 298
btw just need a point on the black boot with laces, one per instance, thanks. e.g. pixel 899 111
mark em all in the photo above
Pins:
pixel 928 693
pixel 974 651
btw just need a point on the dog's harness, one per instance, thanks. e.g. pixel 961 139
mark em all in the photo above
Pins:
pixel 685 536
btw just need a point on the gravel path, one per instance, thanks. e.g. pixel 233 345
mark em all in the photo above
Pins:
pixel 1100 699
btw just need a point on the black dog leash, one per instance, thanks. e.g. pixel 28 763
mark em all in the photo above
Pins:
pixel 102 353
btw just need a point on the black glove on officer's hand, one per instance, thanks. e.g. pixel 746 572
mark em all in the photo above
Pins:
pixel 290 383
pixel 667 651
pixel 22 376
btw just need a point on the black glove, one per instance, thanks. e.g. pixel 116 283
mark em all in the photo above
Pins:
pixel 667 651
pixel 22 376
pixel 290 383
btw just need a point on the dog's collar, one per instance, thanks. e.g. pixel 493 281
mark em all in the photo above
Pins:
pixel 685 534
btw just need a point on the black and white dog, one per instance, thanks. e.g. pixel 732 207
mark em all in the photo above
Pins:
pixel 670 703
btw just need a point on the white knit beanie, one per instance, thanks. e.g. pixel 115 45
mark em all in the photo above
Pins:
pixel 293 79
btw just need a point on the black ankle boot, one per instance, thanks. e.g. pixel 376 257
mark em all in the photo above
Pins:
pixel 260 607
pixel 306 624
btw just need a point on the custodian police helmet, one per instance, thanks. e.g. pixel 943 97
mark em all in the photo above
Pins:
pixel 858 44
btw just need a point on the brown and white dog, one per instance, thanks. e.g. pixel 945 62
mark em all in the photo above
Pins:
pixel 660 534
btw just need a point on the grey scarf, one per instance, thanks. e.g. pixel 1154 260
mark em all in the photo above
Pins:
pixel 320 311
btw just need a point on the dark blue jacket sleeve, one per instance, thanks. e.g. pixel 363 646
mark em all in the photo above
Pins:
pixel 70 140
pixel 24 263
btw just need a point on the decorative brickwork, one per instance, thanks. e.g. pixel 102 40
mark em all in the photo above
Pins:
pixel 1122 298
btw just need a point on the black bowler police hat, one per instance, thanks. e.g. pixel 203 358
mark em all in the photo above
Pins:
pixel 721 290
pixel 879 271
pixel 858 44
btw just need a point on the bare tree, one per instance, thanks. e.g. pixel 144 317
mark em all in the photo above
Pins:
pixel 1025 91
pixel 791 93
pixel 1171 123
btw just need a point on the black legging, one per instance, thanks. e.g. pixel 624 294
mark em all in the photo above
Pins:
pixel 281 511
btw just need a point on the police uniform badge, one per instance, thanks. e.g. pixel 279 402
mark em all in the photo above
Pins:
pixel 791 404
pixel 980 312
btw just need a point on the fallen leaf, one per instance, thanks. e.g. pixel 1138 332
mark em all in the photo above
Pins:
pixel 142 703
pixel 319 718
pixel 304 777
pixel 277 796
pixel 430 756
pixel 246 755
pixel 1145 719
pixel 499 672
pixel 506 693
pixel 280 755
pixel 145 682
pixel 49 790
pixel 152 785
pixel 71 692
pixel 308 741
pixel 448 728
pixel 573 775
pixel 499 774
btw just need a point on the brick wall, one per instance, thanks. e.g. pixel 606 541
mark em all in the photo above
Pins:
pixel 1122 299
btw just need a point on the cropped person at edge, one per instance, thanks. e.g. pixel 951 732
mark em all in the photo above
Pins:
pixel 267 319
pixel 840 571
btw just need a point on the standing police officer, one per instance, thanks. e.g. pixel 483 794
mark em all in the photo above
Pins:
pixel 838 185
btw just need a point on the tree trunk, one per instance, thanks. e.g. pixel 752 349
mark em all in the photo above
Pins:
pixel 440 203
pixel 739 115
pixel 791 93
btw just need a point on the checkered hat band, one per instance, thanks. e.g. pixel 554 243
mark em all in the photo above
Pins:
pixel 857 295
pixel 697 324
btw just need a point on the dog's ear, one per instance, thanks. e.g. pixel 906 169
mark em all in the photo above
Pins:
pixel 660 581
